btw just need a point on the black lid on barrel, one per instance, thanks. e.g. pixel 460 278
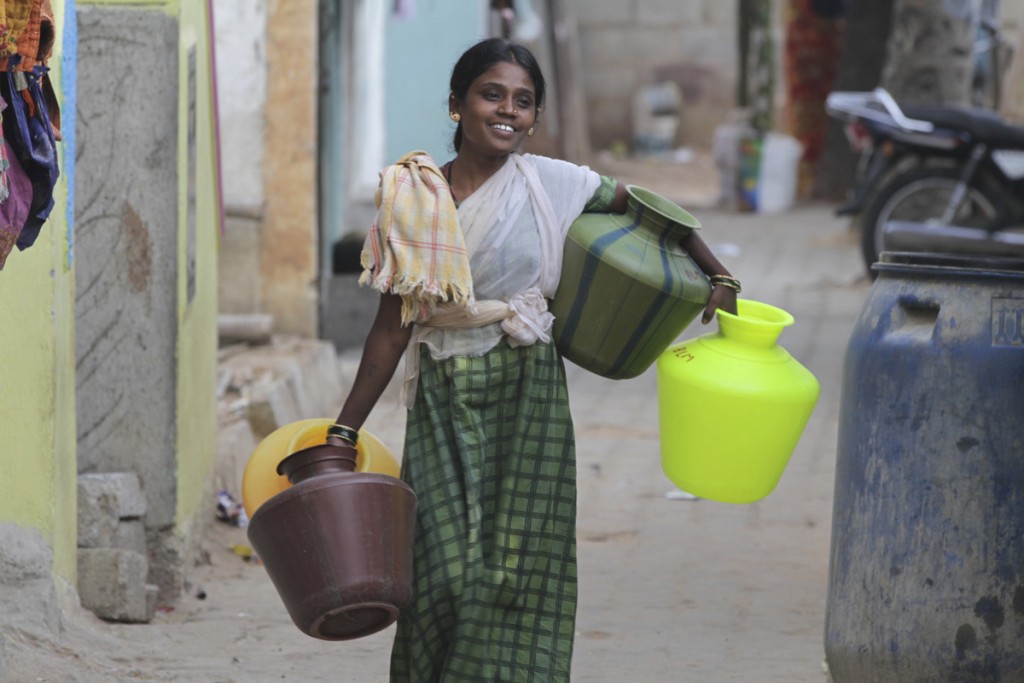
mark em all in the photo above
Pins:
pixel 947 263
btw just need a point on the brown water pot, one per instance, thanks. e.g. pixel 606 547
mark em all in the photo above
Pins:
pixel 337 544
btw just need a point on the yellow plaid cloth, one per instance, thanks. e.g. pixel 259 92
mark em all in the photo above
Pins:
pixel 415 247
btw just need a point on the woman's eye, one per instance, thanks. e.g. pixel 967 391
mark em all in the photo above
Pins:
pixel 525 103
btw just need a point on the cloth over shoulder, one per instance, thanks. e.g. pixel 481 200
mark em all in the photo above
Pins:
pixel 415 247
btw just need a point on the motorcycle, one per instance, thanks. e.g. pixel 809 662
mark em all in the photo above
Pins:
pixel 935 178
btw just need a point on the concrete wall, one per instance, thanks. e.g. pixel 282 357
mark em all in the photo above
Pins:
pixel 627 44
pixel 267 53
pixel 241 46
pixel 241 43
pixel 149 223
pixel 288 263
pixel 127 244
pixel 37 388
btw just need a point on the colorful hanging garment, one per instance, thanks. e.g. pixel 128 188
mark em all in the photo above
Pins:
pixel 30 122
pixel 17 14
pixel 27 128
pixel 14 209
pixel 35 44
pixel 813 44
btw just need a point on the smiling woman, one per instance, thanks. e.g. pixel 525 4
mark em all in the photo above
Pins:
pixel 497 92
pixel 494 117
pixel 466 257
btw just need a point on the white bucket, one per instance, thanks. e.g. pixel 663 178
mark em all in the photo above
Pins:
pixel 780 163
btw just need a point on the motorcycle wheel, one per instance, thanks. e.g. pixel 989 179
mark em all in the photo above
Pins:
pixel 921 195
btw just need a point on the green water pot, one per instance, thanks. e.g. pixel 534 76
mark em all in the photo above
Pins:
pixel 628 289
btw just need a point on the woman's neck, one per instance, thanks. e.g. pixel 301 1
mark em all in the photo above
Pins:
pixel 466 173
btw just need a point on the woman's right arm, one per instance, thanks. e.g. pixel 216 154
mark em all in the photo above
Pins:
pixel 385 344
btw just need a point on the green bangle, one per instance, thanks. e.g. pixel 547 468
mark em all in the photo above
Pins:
pixel 344 433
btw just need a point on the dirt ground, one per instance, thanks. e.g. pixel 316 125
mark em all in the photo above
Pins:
pixel 671 589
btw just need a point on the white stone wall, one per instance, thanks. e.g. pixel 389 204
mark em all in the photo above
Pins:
pixel 242 94
pixel 627 44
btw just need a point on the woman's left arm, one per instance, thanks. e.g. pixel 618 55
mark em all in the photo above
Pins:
pixel 722 296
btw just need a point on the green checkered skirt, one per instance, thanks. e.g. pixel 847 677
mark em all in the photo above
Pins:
pixel 489 451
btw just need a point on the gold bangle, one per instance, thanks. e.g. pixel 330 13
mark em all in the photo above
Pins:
pixel 726 281
pixel 344 433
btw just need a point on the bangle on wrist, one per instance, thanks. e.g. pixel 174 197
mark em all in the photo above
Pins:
pixel 344 433
pixel 726 281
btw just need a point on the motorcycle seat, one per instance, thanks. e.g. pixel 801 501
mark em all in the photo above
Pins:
pixel 983 125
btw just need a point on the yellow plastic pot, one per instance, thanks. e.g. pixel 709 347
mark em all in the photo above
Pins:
pixel 260 480
pixel 732 406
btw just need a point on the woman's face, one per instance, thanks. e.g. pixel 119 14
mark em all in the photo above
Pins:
pixel 499 109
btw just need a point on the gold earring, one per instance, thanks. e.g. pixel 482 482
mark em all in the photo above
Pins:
pixel 530 132
pixel 454 115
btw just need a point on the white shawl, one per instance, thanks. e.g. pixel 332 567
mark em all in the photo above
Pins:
pixel 514 234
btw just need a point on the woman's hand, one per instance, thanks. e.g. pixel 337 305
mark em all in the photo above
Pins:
pixel 722 297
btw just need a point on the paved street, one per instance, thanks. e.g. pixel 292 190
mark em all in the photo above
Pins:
pixel 679 590
pixel 671 589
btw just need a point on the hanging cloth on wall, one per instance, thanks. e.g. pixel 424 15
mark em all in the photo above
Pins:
pixel 14 209
pixel 26 31
pixel 17 15
pixel 30 123
pixel 26 126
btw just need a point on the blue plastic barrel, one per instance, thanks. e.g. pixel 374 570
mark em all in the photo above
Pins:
pixel 926 577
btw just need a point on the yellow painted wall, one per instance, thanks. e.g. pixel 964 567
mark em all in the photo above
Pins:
pixel 37 345
pixel 37 381
pixel 197 318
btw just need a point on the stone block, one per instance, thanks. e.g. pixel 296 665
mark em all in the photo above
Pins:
pixel 302 389
pixel 125 487
pixel 321 373
pixel 130 535
pixel 271 405
pixel 112 583
pixel 26 554
pixel 152 600
pixel 98 514
pixel 31 608
pixel 235 443
pixel 239 281
pixel 721 13
pixel 28 598
pixel 662 12
pixel 589 13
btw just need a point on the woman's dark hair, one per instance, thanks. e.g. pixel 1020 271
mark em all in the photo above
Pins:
pixel 481 57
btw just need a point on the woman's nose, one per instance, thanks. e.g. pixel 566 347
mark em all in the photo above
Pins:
pixel 507 106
